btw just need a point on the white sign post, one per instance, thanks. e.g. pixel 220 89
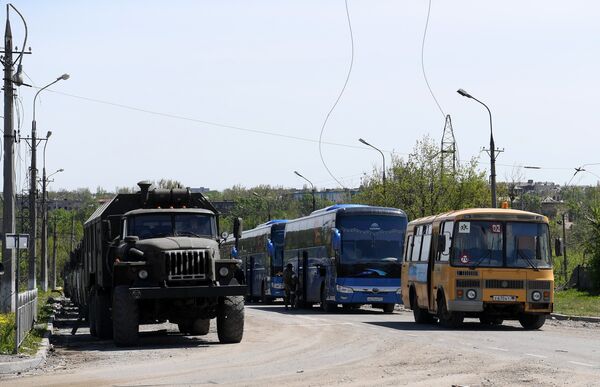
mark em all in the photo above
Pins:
pixel 16 242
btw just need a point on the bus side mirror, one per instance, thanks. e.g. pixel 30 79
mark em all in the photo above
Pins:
pixel 441 243
pixel 558 247
pixel 270 248
pixel 237 228
pixel 336 239
pixel 1 268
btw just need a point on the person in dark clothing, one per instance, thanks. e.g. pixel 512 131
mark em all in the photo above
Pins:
pixel 289 283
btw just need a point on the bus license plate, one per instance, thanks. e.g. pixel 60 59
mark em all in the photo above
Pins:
pixel 504 298
pixel 374 298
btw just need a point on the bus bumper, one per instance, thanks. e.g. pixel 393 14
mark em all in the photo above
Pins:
pixel 465 306
pixel 368 298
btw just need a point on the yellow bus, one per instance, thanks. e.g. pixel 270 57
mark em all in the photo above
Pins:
pixel 491 264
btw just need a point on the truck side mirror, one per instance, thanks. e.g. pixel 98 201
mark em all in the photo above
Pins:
pixel 237 228
pixel 558 247
pixel 441 246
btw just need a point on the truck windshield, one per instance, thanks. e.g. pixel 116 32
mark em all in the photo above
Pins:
pixel 371 245
pixel 148 226
pixel 501 244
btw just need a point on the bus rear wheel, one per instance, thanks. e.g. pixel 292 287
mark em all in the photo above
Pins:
pixel 448 319
pixel 388 308
pixel 422 316
pixel 532 321
pixel 326 306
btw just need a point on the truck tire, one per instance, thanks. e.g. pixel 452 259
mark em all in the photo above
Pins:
pixel 230 320
pixel 388 308
pixel 104 329
pixel 532 321
pixel 125 318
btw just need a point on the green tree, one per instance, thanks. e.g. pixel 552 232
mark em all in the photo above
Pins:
pixel 420 187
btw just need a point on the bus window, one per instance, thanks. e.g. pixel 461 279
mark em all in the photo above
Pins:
pixel 426 243
pixel 416 249
pixel 447 229
pixel 478 243
pixel 527 245
pixel 408 249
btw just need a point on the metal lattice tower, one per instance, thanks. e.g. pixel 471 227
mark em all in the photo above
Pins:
pixel 449 151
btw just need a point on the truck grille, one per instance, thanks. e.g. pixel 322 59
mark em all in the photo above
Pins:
pixel 187 264
pixel 504 284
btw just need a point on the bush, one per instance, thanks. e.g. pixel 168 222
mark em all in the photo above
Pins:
pixel 7 333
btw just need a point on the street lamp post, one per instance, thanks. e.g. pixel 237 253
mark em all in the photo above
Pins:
pixel 266 199
pixel 382 156
pixel 32 189
pixel 45 180
pixel 312 188
pixel 492 148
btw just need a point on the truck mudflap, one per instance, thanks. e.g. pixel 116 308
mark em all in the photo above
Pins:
pixel 187 292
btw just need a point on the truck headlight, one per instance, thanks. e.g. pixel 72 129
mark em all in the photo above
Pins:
pixel 344 289
pixel 143 274
pixel 224 271
pixel 471 294
pixel 536 296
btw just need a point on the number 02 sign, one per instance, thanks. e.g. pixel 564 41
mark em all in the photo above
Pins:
pixel 497 228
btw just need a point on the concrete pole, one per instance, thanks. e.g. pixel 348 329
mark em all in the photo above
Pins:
pixel 44 263
pixel 33 209
pixel 8 280
pixel 54 256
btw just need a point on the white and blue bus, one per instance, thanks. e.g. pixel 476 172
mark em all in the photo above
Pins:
pixel 261 252
pixel 347 254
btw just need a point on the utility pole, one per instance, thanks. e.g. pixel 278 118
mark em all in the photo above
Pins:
pixel 8 280
pixel 564 230
pixel 72 230
pixel 54 256
pixel 33 208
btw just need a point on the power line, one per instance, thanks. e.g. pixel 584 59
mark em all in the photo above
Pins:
pixel 423 61
pixel 340 94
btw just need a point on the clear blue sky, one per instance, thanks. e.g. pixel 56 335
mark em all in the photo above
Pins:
pixel 278 66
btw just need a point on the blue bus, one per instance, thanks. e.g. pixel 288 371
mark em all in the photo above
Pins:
pixel 261 252
pixel 347 254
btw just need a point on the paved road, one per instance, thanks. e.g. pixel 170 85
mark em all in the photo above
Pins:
pixel 365 347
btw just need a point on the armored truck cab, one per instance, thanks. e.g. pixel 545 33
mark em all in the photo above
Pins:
pixel 152 257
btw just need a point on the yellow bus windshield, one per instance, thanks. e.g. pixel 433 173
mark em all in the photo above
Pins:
pixel 501 244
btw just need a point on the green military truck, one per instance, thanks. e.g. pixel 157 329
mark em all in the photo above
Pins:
pixel 151 257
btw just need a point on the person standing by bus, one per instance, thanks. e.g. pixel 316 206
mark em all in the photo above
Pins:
pixel 288 283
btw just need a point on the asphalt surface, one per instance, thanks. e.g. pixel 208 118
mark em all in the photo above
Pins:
pixel 308 347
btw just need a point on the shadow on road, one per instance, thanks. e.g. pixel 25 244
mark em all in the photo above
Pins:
pixel 314 310
pixel 160 338
pixel 468 326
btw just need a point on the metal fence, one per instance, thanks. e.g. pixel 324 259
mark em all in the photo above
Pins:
pixel 27 314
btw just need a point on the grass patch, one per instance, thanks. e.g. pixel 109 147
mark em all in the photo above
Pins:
pixel 577 303
pixel 30 345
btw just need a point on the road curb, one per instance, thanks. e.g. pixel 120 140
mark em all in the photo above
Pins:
pixel 13 367
pixel 563 317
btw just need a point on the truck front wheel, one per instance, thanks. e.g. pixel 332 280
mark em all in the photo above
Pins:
pixel 125 318
pixel 230 319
